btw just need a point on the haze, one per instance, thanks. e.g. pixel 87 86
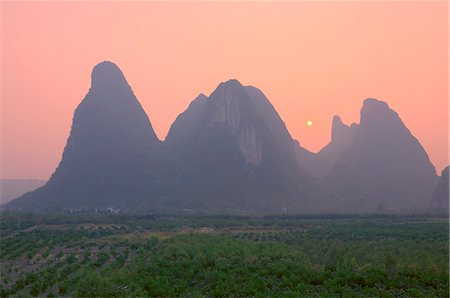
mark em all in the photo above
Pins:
pixel 313 60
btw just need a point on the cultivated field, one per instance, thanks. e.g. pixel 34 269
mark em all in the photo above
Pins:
pixel 117 255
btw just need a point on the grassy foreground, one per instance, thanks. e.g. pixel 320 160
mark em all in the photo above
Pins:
pixel 104 255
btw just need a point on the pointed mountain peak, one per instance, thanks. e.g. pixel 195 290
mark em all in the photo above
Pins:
pixel 229 89
pixel 198 101
pixel 227 103
pixel 340 131
pixel 201 98
pixel 337 124
pixel 388 165
pixel 231 83
pixel 337 120
pixel 342 137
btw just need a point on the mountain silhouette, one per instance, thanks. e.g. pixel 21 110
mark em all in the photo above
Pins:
pixel 384 168
pixel 230 152
pixel 320 164
pixel 239 154
pixel 107 158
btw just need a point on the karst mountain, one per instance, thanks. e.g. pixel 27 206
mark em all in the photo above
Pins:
pixel 229 152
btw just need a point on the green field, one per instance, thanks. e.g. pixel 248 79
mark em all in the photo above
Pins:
pixel 333 256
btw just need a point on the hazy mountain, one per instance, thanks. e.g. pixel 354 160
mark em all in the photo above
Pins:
pixel 229 152
pixel 440 200
pixel 272 120
pixel 384 168
pixel 341 138
pixel 239 154
pixel 14 188
pixel 320 164
pixel 108 156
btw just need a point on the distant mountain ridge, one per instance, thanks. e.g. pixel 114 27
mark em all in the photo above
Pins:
pixel 229 152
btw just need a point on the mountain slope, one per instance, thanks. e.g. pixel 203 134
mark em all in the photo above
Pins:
pixel 14 188
pixel 187 121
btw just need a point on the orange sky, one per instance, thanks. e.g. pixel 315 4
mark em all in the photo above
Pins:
pixel 312 59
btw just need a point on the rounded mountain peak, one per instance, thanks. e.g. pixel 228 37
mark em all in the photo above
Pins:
pixel 376 111
pixel 107 74
pixel 373 102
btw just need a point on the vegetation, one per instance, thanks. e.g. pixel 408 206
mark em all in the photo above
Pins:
pixel 333 256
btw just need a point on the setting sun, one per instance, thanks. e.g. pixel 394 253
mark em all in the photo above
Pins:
pixel 309 123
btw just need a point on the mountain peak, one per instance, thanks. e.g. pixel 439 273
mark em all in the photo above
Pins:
pixel 107 74
pixel 108 152
pixel 378 115
pixel 227 103
pixel 374 106
pixel 231 82
pixel 200 98
pixel 384 164
pixel 373 102
pixel 337 120
pixel 341 132
pixel 336 127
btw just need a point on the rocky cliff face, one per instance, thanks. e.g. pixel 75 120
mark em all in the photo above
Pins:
pixel 229 110
pixel 241 153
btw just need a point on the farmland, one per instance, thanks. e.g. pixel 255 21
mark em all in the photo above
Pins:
pixel 117 255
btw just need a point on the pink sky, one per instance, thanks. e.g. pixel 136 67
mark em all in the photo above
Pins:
pixel 312 59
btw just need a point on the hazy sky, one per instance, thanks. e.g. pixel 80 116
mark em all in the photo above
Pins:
pixel 312 59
